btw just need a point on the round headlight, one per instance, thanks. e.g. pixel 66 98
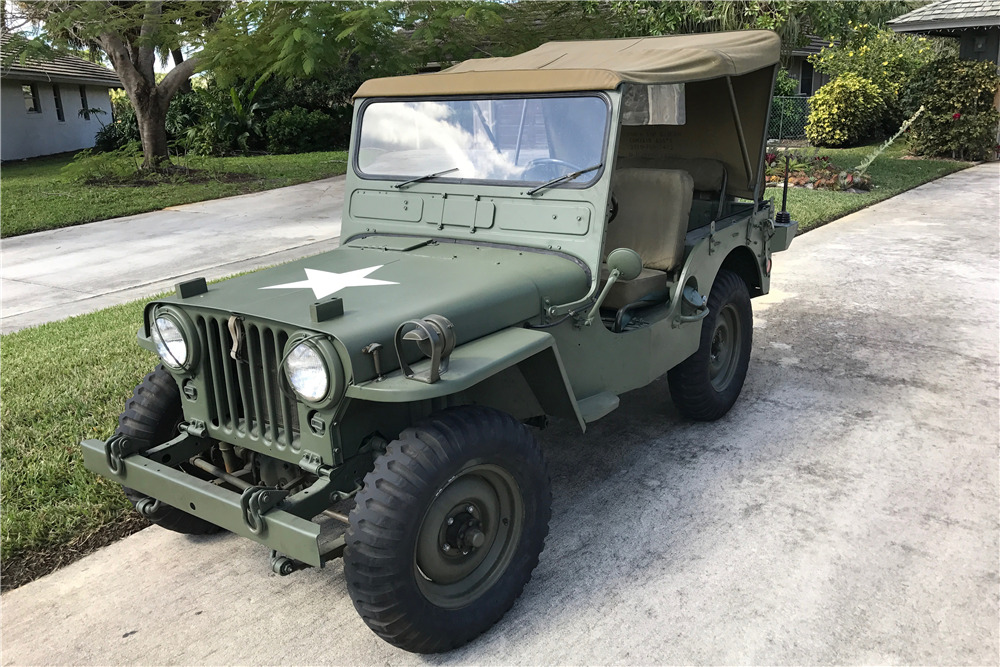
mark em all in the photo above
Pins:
pixel 307 372
pixel 170 341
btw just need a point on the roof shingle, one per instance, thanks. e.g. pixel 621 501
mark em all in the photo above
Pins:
pixel 950 15
pixel 60 68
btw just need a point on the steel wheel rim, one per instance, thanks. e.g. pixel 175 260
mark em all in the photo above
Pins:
pixel 455 576
pixel 724 352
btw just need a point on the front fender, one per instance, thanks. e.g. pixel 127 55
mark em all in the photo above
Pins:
pixel 533 351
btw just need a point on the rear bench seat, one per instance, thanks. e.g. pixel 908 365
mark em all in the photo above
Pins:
pixel 654 207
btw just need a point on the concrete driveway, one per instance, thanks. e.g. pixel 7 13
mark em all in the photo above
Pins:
pixel 55 274
pixel 845 511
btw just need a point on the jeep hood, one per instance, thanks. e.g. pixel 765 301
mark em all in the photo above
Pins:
pixel 480 288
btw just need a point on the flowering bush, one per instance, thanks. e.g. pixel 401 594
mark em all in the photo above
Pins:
pixel 883 57
pixel 960 119
pixel 845 112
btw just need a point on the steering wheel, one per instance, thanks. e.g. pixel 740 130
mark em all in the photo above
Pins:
pixel 613 209
pixel 547 168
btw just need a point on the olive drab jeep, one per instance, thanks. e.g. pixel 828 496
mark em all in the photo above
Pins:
pixel 523 238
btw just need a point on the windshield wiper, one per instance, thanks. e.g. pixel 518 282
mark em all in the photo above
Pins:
pixel 564 178
pixel 425 177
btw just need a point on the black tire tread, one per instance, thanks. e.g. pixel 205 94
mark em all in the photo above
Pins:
pixel 690 386
pixel 150 415
pixel 373 562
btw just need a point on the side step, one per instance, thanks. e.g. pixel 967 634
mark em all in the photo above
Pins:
pixel 594 407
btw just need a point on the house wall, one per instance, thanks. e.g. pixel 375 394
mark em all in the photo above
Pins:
pixel 980 45
pixel 24 134
pixel 795 70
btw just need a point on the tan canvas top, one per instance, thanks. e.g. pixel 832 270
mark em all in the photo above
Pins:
pixel 594 65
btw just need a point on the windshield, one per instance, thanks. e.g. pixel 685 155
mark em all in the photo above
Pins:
pixel 509 140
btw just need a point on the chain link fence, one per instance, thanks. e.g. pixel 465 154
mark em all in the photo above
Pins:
pixel 788 118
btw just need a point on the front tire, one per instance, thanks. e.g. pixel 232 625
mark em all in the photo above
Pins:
pixel 447 529
pixel 153 413
pixel 706 385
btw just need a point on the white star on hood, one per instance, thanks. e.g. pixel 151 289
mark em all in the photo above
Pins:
pixel 325 283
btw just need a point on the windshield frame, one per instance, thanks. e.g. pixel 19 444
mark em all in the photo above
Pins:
pixel 598 173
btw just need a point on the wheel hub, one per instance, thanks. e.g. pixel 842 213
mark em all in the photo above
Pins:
pixel 468 535
pixel 463 531
pixel 724 351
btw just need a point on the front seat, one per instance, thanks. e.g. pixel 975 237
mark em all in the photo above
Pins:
pixel 653 210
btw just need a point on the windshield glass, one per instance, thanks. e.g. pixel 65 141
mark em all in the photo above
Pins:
pixel 510 140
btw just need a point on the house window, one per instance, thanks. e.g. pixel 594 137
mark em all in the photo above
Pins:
pixel 806 78
pixel 31 104
pixel 58 99
pixel 83 103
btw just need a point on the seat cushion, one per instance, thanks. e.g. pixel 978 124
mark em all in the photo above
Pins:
pixel 624 292
pixel 708 174
pixel 653 210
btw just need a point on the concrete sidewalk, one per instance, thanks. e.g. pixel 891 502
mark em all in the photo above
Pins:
pixel 844 512
pixel 52 275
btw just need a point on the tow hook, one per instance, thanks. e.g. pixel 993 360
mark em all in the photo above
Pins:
pixel 116 448
pixel 256 502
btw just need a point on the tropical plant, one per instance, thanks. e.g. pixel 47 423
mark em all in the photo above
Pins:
pixel 296 130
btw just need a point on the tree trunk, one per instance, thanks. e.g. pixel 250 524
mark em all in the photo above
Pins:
pixel 134 66
pixel 153 131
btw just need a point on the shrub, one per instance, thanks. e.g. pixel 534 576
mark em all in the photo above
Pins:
pixel 123 127
pixel 296 130
pixel 784 84
pixel 845 112
pixel 185 111
pixel 960 120
pixel 230 121
pixel 883 57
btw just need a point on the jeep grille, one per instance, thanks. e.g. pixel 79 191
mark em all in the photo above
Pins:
pixel 244 396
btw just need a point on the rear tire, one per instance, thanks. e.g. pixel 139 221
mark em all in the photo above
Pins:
pixel 153 413
pixel 447 529
pixel 706 385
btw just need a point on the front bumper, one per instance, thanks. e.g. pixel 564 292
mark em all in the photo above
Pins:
pixel 296 537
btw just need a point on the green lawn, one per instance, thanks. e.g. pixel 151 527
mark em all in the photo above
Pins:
pixel 35 195
pixel 63 382
pixel 890 176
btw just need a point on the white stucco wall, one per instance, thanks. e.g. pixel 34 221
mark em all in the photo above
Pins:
pixel 24 134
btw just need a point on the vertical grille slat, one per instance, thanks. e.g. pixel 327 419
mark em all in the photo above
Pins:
pixel 255 358
pixel 227 372
pixel 245 396
pixel 211 392
pixel 270 390
pixel 286 410
pixel 221 402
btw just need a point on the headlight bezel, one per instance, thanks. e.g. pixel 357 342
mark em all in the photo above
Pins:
pixel 334 368
pixel 188 335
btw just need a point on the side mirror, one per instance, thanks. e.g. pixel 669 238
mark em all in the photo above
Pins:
pixel 627 262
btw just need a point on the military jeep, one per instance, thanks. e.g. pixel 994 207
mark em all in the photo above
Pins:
pixel 523 238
